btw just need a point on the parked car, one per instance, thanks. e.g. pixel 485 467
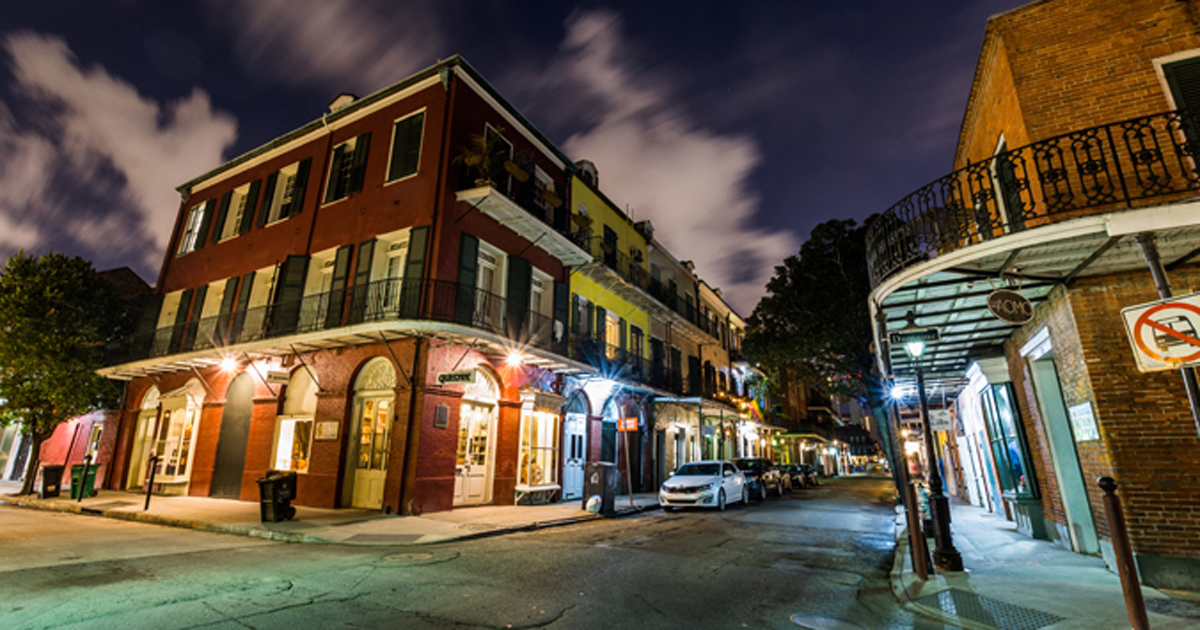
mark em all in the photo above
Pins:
pixel 810 475
pixel 794 474
pixel 761 476
pixel 708 483
pixel 785 479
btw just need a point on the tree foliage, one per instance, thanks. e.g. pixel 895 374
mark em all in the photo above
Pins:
pixel 814 325
pixel 56 319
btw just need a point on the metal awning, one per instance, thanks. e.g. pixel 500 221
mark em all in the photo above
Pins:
pixel 950 291
pixel 495 204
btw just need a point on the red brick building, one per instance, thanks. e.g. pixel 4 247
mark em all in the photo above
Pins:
pixel 381 301
pixel 1075 176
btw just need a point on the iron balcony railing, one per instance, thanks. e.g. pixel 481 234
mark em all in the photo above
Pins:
pixel 674 301
pixel 626 266
pixel 1104 168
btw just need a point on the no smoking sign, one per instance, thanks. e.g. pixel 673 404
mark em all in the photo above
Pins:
pixel 1165 335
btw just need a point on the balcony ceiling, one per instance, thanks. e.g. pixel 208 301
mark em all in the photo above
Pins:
pixel 493 203
pixel 950 291
pixel 495 347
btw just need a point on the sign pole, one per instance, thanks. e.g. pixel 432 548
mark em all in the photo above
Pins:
pixel 1149 244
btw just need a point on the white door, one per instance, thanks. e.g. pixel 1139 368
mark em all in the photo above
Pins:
pixel 143 441
pixel 374 435
pixel 473 474
pixel 575 455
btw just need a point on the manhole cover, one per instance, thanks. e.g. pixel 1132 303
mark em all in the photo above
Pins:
pixel 818 622
pixel 408 557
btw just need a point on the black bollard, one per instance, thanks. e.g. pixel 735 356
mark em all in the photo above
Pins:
pixel 1124 554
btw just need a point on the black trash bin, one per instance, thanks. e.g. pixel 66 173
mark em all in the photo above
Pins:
pixel 275 494
pixel 51 482
pixel 600 479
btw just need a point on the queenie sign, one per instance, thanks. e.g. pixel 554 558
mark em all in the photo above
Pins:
pixel 1010 306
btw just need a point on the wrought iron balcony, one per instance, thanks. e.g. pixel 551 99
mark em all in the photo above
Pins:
pixel 626 266
pixel 399 299
pixel 1137 162
pixel 674 301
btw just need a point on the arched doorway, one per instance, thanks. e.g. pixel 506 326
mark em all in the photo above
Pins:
pixel 175 437
pixel 294 428
pixel 143 439
pixel 369 441
pixel 574 445
pixel 476 425
pixel 231 444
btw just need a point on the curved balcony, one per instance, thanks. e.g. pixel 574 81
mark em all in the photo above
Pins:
pixel 1137 162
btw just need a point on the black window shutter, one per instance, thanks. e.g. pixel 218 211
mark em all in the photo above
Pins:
pixel 589 317
pixel 520 278
pixel 298 188
pixel 251 206
pixel 624 336
pixel 562 296
pixel 406 147
pixel 181 315
pixel 468 267
pixel 243 301
pixel 358 168
pixel 337 286
pixel 222 211
pixel 268 195
pixel 205 219
pixel 194 318
pixel 362 282
pixel 228 302
pixel 288 295
pixel 601 328
pixel 1184 79
pixel 334 190
pixel 414 272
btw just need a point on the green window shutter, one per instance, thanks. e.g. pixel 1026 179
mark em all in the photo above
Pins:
pixel 414 272
pixel 251 206
pixel 358 168
pixel 562 296
pixel 333 191
pixel 205 220
pixel 228 302
pixel 298 188
pixel 243 301
pixel 337 286
pixel 406 147
pixel 624 336
pixel 362 282
pixel 468 267
pixel 588 319
pixel 222 211
pixel 520 279
pixel 576 316
pixel 601 328
pixel 268 194
pixel 181 315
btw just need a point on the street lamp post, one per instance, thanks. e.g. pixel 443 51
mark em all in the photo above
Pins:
pixel 945 556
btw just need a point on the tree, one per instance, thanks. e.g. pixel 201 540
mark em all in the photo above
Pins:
pixel 56 320
pixel 814 326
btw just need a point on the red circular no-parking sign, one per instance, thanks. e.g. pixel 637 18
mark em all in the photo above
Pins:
pixel 1144 320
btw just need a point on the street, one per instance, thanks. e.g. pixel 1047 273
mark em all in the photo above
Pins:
pixel 822 552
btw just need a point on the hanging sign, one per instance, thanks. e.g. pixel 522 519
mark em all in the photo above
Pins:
pixel 909 335
pixel 627 424
pixel 1163 334
pixel 939 420
pixel 276 377
pixel 456 377
pixel 1010 306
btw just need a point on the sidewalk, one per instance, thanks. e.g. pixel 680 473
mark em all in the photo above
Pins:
pixel 1013 581
pixel 325 526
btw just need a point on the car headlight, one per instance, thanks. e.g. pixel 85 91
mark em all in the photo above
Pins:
pixel 709 486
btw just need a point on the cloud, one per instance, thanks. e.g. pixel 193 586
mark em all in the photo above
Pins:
pixel 114 157
pixel 692 183
pixel 353 46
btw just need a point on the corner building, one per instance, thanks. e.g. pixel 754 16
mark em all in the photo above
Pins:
pixel 1076 178
pixel 387 302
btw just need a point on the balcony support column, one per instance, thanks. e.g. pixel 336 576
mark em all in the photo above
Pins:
pixel 1148 241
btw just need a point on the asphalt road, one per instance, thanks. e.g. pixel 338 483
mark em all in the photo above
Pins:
pixel 823 553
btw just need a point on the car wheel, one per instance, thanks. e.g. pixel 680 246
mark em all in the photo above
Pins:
pixel 762 492
pixel 745 495
pixel 721 500
pixel 668 508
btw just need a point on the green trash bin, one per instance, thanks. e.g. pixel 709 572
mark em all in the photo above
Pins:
pixel 79 483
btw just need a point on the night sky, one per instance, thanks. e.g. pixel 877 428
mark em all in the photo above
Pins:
pixel 734 126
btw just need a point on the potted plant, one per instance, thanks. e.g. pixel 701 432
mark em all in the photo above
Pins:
pixel 484 156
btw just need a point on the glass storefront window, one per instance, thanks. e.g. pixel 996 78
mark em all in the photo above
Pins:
pixel 295 444
pixel 539 448
pixel 1007 440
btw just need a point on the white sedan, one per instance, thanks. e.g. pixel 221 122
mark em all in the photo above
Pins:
pixel 705 484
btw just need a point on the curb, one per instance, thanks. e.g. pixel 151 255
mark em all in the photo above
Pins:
pixel 293 537
pixel 906 602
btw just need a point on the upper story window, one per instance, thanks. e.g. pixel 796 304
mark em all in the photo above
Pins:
pixel 406 146
pixel 347 168
pixel 543 183
pixel 196 226
pixel 283 192
pixel 236 211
